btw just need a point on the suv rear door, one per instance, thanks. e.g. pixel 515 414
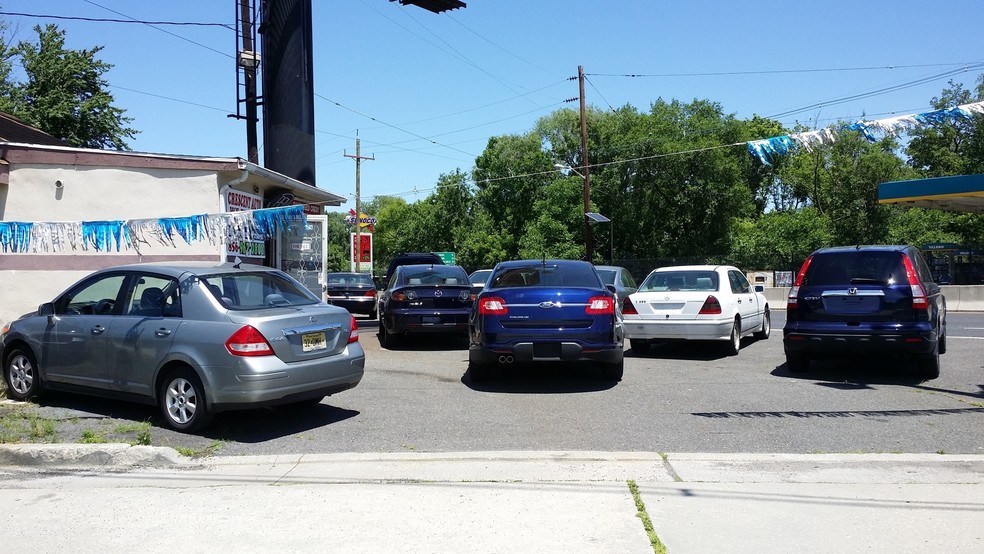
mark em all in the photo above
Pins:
pixel 855 286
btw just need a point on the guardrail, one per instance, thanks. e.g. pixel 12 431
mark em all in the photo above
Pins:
pixel 959 298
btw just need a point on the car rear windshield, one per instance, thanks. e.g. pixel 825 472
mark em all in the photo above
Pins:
pixel 701 280
pixel 856 267
pixel 254 290
pixel 546 275
pixel 349 279
pixel 435 275
pixel 607 276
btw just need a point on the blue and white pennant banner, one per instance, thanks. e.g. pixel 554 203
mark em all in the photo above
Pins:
pixel 766 149
pixel 106 236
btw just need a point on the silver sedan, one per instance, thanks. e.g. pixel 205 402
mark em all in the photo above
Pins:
pixel 192 338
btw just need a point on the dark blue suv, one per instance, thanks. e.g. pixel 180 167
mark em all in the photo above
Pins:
pixel 531 310
pixel 861 300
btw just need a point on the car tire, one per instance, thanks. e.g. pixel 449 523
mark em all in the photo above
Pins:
pixel 182 401
pixel 639 346
pixel 614 371
pixel 20 373
pixel 797 362
pixel 941 341
pixel 478 373
pixel 929 364
pixel 733 345
pixel 766 329
pixel 386 340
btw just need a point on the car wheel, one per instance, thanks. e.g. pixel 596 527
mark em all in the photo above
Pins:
pixel 941 342
pixel 182 401
pixel 478 372
pixel 766 329
pixel 20 373
pixel 386 340
pixel 797 362
pixel 734 342
pixel 929 365
pixel 614 372
pixel 639 346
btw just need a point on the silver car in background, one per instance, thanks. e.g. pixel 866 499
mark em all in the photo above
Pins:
pixel 192 338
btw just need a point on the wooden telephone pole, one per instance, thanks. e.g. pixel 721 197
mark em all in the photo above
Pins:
pixel 585 167
pixel 358 157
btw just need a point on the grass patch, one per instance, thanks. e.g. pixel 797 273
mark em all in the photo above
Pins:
pixel 199 452
pixel 92 437
pixel 18 425
pixel 647 524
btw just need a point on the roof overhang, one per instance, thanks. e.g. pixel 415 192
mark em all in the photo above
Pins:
pixel 960 193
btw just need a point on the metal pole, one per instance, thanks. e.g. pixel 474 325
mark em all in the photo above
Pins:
pixel 357 247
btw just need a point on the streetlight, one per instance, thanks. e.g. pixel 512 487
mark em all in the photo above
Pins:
pixel 594 217
pixel 588 247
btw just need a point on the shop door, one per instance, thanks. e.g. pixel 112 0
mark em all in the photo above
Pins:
pixel 303 253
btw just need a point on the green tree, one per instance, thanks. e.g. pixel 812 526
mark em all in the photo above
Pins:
pixel 65 94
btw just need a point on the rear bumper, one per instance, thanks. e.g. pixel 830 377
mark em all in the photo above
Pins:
pixel 355 304
pixel 676 329
pixel 428 321
pixel 820 344
pixel 556 351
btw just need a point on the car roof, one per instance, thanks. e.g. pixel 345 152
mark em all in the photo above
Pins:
pixel 692 268
pixel 176 269
pixel 520 263
pixel 865 248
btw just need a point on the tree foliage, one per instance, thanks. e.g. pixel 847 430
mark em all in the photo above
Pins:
pixel 65 93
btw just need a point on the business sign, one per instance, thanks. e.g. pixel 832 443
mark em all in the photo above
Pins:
pixel 239 201
pixel 364 249
pixel 365 221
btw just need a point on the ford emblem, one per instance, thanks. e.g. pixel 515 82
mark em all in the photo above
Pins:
pixel 548 304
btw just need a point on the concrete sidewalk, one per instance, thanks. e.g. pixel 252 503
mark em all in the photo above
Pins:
pixel 120 498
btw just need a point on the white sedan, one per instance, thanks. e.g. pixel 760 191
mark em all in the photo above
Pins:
pixel 696 302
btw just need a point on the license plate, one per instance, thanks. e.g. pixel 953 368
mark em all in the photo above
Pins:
pixel 313 341
pixel 430 320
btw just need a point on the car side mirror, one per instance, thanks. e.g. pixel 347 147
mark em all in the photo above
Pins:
pixel 612 289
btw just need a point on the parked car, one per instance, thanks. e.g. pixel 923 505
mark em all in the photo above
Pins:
pixel 533 310
pixel 424 298
pixel 620 278
pixel 696 302
pixel 479 277
pixel 356 292
pixel 192 338
pixel 865 300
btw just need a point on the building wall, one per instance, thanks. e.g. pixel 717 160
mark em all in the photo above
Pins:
pixel 90 193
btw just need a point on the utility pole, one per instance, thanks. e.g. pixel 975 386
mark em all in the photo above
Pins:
pixel 358 157
pixel 585 167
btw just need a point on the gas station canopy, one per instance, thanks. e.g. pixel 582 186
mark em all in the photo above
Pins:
pixel 960 193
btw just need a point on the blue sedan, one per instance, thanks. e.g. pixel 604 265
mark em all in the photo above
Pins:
pixel 533 310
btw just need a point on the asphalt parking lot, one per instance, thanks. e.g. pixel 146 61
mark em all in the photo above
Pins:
pixel 678 397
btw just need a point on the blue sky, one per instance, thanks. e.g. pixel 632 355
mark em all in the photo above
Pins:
pixel 426 91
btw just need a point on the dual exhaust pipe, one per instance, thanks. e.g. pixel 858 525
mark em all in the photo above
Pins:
pixel 505 359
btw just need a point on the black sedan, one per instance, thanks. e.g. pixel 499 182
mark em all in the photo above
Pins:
pixel 355 292
pixel 424 298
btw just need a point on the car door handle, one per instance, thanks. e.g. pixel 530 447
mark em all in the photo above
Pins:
pixel 162 332
pixel 739 300
pixel 98 330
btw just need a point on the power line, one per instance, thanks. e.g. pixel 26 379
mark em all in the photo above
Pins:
pixel 226 54
pixel 106 20
pixel 779 71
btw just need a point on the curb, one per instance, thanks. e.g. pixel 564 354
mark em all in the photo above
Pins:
pixel 88 455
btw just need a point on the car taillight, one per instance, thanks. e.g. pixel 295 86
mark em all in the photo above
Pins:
pixel 600 305
pixel 492 305
pixel 795 289
pixel 919 299
pixel 403 296
pixel 247 341
pixel 628 307
pixel 354 333
pixel 370 293
pixel 711 306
